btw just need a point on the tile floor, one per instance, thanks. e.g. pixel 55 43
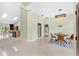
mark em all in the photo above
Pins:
pixel 17 47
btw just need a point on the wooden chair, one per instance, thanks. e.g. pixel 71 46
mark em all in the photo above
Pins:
pixel 71 37
pixel 75 37
pixel 69 40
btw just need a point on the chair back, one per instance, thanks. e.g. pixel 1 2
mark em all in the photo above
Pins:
pixel 72 36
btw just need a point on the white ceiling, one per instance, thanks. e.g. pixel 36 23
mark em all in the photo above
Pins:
pixel 25 3
pixel 11 9
pixel 49 9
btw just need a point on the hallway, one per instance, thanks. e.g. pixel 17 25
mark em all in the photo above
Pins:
pixel 12 47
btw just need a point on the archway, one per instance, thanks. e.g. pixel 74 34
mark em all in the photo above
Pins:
pixel 46 30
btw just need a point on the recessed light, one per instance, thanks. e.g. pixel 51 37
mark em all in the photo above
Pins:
pixel 30 10
pixel 60 10
pixel 46 17
pixel 4 16
pixel 42 15
pixel 15 18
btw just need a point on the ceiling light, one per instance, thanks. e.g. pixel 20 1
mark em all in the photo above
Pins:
pixel 4 16
pixel 60 10
pixel 15 18
pixel 46 17
pixel 42 15
pixel 29 10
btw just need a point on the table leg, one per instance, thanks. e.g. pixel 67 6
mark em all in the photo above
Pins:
pixel 65 41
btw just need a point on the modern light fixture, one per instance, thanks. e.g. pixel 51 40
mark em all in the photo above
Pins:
pixel 4 16
pixel 60 15
pixel 42 15
pixel 15 18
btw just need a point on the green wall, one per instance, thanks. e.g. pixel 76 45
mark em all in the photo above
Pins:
pixel 33 19
pixel 29 22
pixel 23 17
pixel 67 23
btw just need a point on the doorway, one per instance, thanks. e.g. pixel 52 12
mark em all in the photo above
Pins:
pixel 46 30
pixel 39 30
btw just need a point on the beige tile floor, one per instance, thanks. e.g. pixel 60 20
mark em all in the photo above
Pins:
pixel 17 47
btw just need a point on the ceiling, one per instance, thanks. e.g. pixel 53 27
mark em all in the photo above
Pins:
pixel 49 9
pixel 25 3
pixel 11 9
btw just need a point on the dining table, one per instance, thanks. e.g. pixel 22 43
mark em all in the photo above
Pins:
pixel 61 37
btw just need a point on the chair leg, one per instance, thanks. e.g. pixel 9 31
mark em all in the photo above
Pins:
pixel 51 40
pixel 65 41
pixel 60 42
pixel 56 40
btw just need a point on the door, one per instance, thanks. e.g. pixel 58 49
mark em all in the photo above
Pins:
pixel 39 30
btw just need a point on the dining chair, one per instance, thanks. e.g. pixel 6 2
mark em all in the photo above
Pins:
pixel 70 39
pixel 52 37
pixel 75 37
